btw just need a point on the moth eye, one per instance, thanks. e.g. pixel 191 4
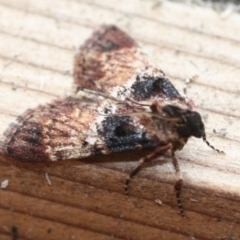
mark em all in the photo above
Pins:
pixel 196 124
pixel 197 130
pixel 184 131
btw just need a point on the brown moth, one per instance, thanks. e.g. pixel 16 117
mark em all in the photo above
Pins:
pixel 122 103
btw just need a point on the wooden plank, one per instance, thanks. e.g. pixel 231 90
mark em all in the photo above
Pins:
pixel 86 199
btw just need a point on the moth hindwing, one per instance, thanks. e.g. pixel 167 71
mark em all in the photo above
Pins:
pixel 122 103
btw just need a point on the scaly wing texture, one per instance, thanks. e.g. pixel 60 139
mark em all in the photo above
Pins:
pixel 109 58
pixel 54 131
pixel 72 129
pixel 111 62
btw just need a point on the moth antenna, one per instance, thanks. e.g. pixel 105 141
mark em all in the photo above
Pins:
pixel 188 100
pixel 187 82
pixel 207 142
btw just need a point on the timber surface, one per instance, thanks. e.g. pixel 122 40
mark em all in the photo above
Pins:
pixel 85 200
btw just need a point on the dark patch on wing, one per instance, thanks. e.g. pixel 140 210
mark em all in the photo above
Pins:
pixel 26 144
pixel 148 87
pixel 120 134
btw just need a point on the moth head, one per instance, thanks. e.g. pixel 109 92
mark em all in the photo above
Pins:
pixel 189 123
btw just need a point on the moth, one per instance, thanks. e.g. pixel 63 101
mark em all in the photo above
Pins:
pixel 122 102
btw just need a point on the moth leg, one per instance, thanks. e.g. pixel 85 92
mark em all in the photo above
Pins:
pixel 157 152
pixel 178 184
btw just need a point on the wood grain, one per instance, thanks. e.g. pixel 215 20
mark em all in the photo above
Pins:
pixel 85 200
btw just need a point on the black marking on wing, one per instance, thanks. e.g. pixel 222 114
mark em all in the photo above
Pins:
pixel 120 134
pixel 27 145
pixel 148 87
